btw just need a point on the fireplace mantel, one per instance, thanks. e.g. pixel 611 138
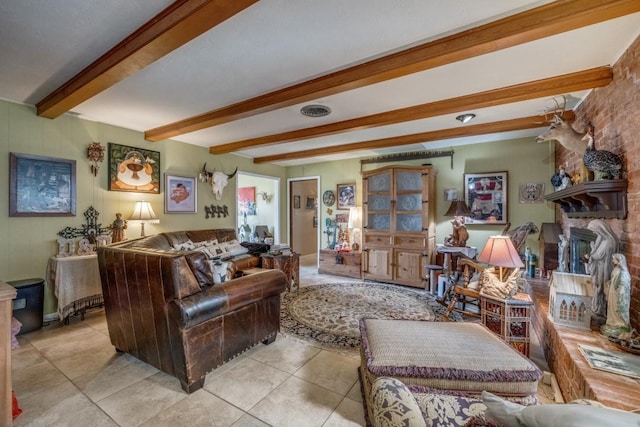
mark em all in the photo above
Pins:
pixel 593 199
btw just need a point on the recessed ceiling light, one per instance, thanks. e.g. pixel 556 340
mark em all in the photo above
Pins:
pixel 315 110
pixel 464 118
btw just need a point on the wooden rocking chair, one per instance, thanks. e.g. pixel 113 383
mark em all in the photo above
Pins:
pixel 467 293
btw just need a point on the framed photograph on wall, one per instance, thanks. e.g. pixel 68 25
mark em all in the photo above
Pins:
pixel 180 194
pixel 247 200
pixel 311 202
pixel 296 202
pixel 346 195
pixel 486 197
pixel 133 169
pixel 41 186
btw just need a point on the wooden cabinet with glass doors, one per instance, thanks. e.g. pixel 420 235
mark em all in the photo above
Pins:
pixel 398 224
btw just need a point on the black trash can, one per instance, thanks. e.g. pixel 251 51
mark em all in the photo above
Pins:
pixel 28 304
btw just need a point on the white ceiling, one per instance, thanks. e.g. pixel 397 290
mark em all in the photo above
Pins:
pixel 276 43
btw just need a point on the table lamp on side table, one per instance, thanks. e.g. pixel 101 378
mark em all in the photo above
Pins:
pixel 500 252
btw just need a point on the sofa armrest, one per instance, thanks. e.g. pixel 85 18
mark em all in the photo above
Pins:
pixel 393 404
pixel 227 297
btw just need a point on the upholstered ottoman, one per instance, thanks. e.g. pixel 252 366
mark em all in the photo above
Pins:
pixel 454 356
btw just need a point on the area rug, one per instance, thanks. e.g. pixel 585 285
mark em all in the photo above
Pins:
pixel 329 314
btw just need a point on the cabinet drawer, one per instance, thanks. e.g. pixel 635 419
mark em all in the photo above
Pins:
pixel 377 239
pixel 410 241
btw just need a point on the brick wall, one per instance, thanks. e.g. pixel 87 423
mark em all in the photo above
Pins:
pixel 614 111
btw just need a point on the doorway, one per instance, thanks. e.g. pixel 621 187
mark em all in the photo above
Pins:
pixel 304 215
pixel 258 207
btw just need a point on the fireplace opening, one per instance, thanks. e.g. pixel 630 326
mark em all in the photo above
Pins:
pixel 580 245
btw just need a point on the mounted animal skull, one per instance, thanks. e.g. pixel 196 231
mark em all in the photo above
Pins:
pixel 218 180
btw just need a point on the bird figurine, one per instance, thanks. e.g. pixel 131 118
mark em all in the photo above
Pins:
pixel 561 179
pixel 604 164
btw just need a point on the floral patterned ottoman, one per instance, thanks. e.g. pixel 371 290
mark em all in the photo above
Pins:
pixel 456 357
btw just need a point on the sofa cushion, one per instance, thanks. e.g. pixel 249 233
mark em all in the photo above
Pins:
pixel 234 248
pixel 199 264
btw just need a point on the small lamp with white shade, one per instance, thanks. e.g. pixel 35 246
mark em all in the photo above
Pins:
pixel 143 212
pixel 355 222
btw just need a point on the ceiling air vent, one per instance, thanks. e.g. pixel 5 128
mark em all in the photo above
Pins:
pixel 315 110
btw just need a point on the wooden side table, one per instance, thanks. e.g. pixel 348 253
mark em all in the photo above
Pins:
pixel 510 319
pixel 289 264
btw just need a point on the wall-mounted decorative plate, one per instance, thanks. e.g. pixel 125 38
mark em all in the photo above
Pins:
pixel 329 198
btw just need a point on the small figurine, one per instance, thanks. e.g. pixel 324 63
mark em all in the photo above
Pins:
pixel 117 229
pixel 561 180
pixel 460 234
pixel 618 299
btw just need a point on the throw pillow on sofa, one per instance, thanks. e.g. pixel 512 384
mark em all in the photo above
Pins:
pixel 233 248
pixel 220 270
pixel 509 414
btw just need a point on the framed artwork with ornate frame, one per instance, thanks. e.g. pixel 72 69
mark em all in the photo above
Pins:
pixel 486 197
pixel 180 194
pixel 346 196
pixel 41 186
pixel 133 169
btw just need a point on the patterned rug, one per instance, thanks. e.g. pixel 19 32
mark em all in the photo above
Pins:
pixel 329 314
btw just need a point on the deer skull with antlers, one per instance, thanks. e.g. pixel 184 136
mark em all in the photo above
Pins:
pixel 218 180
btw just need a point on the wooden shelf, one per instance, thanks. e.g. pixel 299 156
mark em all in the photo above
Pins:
pixel 594 199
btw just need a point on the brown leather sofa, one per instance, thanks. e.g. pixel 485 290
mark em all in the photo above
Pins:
pixel 163 307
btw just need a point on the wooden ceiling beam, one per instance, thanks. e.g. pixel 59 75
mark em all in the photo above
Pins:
pixel 544 21
pixel 181 22
pixel 581 80
pixel 418 138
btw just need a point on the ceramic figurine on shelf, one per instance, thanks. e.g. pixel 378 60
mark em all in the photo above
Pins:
pixel 618 299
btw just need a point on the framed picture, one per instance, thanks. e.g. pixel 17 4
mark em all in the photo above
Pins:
pixel 532 192
pixel 133 169
pixel 247 200
pixel 486 197
pixel 329 198
pixel 180 194
pixel 41 186
pixel 342 218
pixel 296 202
pixel 315 222
pixel 311 202
pixel 346 196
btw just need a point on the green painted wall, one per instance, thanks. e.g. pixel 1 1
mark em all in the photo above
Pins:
pixel 28 243
pixel 523 159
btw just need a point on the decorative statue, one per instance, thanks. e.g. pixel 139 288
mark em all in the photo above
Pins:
pixel 563 254
pixel 117 229
pixel 618 299
pixel 460 234
pixel 600 262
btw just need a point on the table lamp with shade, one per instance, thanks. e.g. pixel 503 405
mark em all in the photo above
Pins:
pixel 355 222
pixel 143 212
pixel 501 253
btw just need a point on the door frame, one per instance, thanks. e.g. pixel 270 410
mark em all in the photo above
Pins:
pixel 289 209
pixel 275 201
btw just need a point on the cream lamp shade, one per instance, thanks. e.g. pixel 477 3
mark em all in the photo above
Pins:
pixel 143 212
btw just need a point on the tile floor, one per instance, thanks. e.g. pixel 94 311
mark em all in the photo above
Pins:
pixel 70 375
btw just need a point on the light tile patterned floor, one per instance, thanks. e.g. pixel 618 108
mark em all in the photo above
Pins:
pixel 70 375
